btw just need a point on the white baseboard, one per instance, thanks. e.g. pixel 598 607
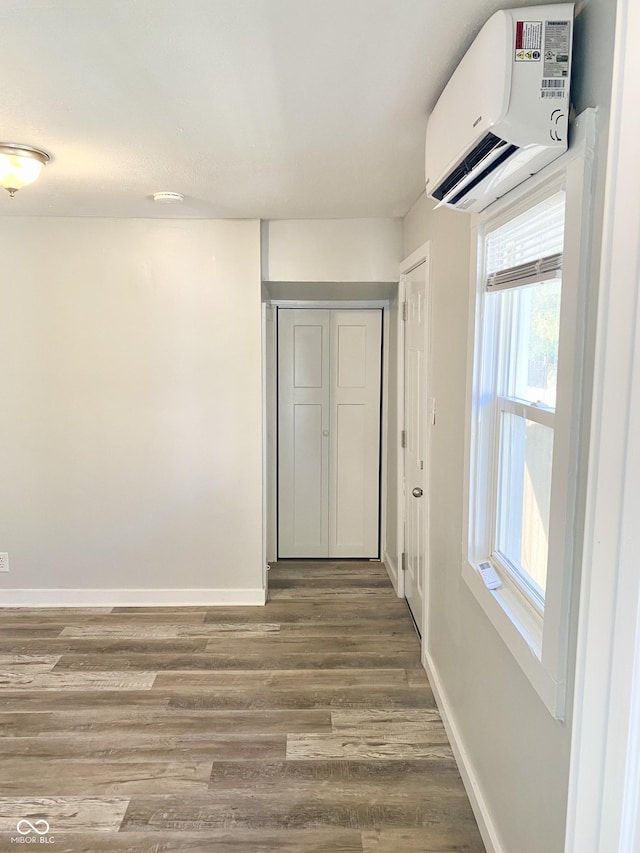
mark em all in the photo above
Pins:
pixel 392 570
pixel 131 597
pixel 470 780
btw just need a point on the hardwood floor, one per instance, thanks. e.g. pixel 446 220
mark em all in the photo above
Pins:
pixel 306 726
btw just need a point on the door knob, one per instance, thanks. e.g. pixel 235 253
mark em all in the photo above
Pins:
pixel 325 432
pixel 417 492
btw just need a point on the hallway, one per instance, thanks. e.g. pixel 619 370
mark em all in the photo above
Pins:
pixel 307 725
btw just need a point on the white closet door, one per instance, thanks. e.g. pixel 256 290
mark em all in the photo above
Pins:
pixel 303 432
pixel 354 448
pixel 415 454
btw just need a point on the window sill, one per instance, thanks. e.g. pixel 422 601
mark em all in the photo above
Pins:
pixel 521 629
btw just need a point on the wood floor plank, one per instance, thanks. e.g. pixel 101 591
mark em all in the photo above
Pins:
pixel 61 699
pixel 287 642
pixel 223 630
pixel 89 645
pixel 328 568
pixel 130 721
pixel 333 629
pixel 338 570
pixel 30 776
pixel 371 781
pixel 362 595
pixel 75 680
pixel 253 811
pixel 210 698
pixel 37 663
pixel 374 720
pixel 25 630
pixel 283 679
pixel 311 610
pixel 282 568
pixel 347 583
pixel 39 613
pixel 64 813
pixel 417 677
pixel 211 660
pixel 317 840
pixel 23 724
pixel 149 747
pixel 157 614
pixel 47 618
pixel 427 742
pixel 462 838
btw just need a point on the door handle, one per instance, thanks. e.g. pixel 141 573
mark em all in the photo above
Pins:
pixel 417 492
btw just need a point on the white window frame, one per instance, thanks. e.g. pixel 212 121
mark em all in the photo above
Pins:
pixel 536 635
pixel 493 368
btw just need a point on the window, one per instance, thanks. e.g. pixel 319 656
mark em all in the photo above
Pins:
pixel 523 263
pixel 525 423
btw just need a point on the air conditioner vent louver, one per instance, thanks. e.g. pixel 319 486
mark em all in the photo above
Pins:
pixel 486 145
pixel 504 155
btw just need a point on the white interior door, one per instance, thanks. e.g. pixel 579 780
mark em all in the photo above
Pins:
pixel 329 386
pixel 354 447
pixel 303 432
pixel 415 454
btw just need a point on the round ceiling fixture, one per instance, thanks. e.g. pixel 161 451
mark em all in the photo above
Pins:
pixel 169 198
pixel 20 165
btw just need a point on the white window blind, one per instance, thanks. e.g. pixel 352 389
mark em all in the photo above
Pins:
pixel 528 248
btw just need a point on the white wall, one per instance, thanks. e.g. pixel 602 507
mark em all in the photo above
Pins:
pixel 350 250
pixel 518 753
pixel 130 435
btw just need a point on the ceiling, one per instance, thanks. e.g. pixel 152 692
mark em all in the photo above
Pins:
pixel 272 109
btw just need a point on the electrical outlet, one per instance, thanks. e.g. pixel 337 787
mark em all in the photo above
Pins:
pixel 4 561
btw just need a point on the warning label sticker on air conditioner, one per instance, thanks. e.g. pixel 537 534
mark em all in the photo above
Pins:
pixel 556 49
pixel 555 70
pixel 528 41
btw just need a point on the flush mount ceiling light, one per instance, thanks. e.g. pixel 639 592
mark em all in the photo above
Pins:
pixel 20 165
pixel 169 198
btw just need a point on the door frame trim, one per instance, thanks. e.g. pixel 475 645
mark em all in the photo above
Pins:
pixel 330 304
pixel 421 255
pixel 382 305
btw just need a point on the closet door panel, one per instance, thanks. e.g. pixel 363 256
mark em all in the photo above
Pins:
pixel 303 435
pixel 354 448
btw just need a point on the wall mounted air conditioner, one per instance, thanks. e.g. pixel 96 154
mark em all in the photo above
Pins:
pixel 504 113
